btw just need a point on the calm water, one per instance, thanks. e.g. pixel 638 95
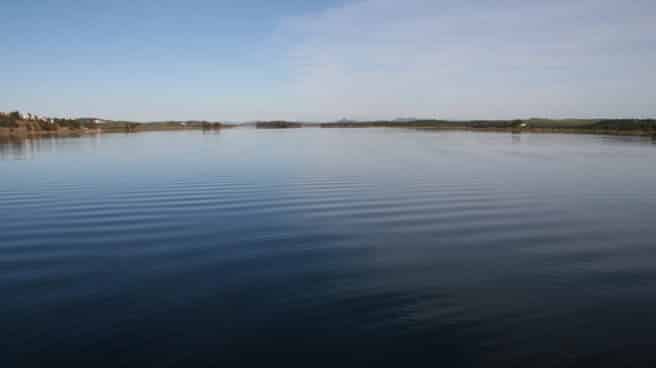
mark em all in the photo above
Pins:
pixel 328 246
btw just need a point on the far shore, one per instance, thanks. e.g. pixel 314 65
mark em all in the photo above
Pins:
pixel 30 129
pixel 24 128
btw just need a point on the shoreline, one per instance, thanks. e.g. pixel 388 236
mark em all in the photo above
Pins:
pixel 634 133
pixel 22 133
pixel 12 126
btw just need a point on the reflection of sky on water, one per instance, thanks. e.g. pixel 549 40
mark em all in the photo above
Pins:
pixel 410 240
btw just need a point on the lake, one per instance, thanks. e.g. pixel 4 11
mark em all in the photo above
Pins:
pixel 328 246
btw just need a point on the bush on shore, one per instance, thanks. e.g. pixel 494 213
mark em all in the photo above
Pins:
pixel 9 120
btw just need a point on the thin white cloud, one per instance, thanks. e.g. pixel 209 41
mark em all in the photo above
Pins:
pixel 473 59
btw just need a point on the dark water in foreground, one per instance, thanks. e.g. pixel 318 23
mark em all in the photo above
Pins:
pixel 328 246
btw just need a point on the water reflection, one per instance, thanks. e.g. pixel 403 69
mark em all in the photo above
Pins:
pixel 437 246
pixel 28 148
pixel 17 148
pixel 516 138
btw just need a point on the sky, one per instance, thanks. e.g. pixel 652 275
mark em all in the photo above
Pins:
pixel 323 60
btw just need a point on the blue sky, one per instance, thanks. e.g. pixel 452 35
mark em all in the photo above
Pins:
pixel 324 60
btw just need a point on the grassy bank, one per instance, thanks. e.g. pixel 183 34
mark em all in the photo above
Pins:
pixel 596 126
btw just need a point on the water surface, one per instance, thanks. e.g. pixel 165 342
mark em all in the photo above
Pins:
pixel 323 246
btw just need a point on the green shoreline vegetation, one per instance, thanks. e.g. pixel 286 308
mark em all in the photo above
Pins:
pixel 590 126
pixel 16 124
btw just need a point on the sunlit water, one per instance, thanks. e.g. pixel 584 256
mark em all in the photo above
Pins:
pixel 323 246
